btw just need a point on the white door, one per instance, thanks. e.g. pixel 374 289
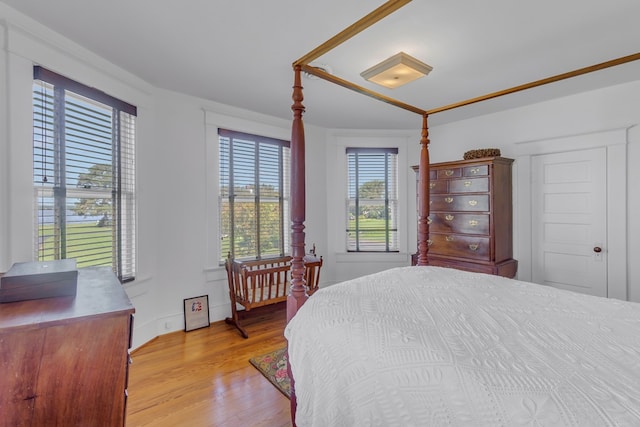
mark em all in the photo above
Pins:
pixel 569 220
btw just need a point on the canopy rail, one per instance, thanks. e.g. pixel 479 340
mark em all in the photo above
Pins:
pixel 362 90
pixel 536 83
pixel 357 27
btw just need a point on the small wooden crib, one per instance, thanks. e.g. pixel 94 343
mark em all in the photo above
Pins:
pixel 263 282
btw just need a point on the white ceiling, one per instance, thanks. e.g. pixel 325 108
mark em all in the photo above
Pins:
pixel 239 52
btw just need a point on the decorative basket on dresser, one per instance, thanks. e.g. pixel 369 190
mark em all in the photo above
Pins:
pixel 471 220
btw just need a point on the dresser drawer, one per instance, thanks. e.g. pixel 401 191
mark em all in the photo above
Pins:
pixel 475 170
pixel 449 173
pixel 438 186
pixel 453 222
pixel 461 246
pixel 464 203
pixel 469 185
pixel 461 265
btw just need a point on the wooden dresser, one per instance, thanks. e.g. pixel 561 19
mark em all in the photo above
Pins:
pixel 470 221
pixel 65 360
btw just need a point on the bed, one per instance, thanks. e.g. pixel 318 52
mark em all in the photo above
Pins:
pixel 437 346
pixel 594 388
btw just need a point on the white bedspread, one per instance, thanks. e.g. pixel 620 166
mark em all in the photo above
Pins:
pixel 428 346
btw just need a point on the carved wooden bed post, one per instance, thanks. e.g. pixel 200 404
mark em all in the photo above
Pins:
pixel 298 294
pixel 298 291
pixel 423 195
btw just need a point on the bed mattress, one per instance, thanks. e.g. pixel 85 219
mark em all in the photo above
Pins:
pixel 421 346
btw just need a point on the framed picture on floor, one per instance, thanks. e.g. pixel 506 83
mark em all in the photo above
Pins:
pixel 196 313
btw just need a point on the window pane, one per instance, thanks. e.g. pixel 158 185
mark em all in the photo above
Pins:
pixel 84 177
pixel 245 227
pixel 253 195
pixel 372 200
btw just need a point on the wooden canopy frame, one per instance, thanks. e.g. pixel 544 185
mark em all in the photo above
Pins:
pixel 298 295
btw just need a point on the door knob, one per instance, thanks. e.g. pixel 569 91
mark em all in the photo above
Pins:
pixel 597 249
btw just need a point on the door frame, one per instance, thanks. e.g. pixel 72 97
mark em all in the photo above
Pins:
pixel 615 142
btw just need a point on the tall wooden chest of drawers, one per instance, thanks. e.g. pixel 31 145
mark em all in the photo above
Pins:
pixel 470 220
pixel 64 361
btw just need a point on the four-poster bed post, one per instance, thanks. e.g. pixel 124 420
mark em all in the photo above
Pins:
pixel 423 194
pixel 298 293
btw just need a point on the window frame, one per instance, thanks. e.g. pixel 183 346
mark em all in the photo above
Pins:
pixel 391 214
pixel 122 189
pixel 283 196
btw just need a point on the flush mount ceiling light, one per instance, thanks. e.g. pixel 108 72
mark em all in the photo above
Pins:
pixel 396 71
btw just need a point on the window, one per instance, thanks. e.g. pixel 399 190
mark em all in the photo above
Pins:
pixel 372 201
pixel 253 196
pixel 83 175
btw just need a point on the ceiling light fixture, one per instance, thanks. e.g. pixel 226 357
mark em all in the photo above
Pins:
pixel 396 71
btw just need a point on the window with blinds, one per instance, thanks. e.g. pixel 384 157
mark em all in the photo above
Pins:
pixel 253 196
pixel 372 200
pixel 83 175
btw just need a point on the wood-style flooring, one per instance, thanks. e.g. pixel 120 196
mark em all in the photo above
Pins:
pixel 204 378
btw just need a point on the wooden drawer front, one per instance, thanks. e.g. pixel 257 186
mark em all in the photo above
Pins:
pixel 453 222
pixel 438 186
pixel 469 185
pixel 432 174
pixel 461 246
pixel 457 203
pixel 475 170
pixel 461 265
pixel 449 173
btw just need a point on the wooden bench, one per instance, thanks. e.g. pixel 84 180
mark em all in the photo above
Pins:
pixel 263 282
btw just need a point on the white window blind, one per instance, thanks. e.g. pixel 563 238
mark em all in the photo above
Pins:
pixel 372 200
pixel 253 195
pixel 84 175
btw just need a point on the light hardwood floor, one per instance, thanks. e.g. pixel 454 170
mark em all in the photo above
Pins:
pixel 204 378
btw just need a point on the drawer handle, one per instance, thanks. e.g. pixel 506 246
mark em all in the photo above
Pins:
pixel 429 242
pixel 475 171
pixel 467 183
pixel 448 217
pixel 448 172
pixel 473 246
pixel 429 220
pixel 449 238
pixel 432 185
pixel 473 222
pixel 473 202
pixel 449 199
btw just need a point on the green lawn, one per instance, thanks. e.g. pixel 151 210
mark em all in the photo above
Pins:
pixel 371 229
pixel 87 243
